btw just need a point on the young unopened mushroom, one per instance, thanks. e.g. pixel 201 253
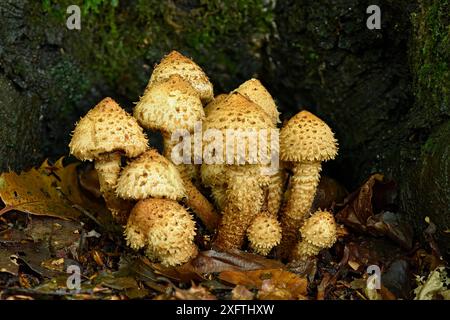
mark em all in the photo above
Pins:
pixel 104 134
pixel 264 233
pixel 318 232
pixel 164 228
pixel 170 106
pixel 176 63
pixel 245 182
pixel 305 141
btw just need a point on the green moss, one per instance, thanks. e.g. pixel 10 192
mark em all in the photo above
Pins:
pixel 118 38
pixel 431 55
pixel 70 85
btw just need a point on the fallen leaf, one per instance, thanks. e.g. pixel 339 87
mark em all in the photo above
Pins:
pixel 241 293
pixel 271 283
pixel 194 293
pixel 7 262
pixel 212 261
pixel 367 210
pixel 48 190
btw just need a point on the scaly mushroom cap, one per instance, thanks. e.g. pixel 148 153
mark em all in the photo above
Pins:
pixel 150 175
pixel 320 230
pixel 176 63
pixel 243 117
pixel 165 227
pixel 215 103
pixel 169 105
pixel 254 91
pixel 264 233
pixel 307 138
pixel 107 128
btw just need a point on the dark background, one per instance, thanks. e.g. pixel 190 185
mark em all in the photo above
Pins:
pixel 385 92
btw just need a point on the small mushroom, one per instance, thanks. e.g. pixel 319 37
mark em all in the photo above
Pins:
pixel 245 181
pixel 164 228
pixel 175 63
pixel 318 232
pixel 169 106
pixel 305 141
pixel 104 134
pixel 264 233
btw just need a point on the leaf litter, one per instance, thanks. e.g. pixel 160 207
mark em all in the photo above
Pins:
pixel 53 217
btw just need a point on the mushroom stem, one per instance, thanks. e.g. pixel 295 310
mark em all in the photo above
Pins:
pixel 108 170
pixel 275 192
pixel 244 202
pixel 200 205
pixel 194 198
pixel 219 195
pixel 302 189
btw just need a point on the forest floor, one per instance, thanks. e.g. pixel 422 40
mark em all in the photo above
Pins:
pixel 54 226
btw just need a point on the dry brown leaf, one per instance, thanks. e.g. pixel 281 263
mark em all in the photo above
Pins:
pixel 194 293
pixel 273 284
pixel 241 293
pixel 48 190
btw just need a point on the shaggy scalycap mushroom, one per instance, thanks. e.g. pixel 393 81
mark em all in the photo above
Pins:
pixel 164 228
pixel 318 232
pixel 176 63
pixel 150 176
pixel 305 141
pixel 104 134
pixel 244 181
pixel 264 233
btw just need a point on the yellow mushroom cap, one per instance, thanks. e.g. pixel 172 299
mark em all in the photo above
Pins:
pixel 254 91
pixel 150 175
pixel 107 128
pixel 165 227
pixel 264 233
pixel 169 105
pixel 243 117
pixel 214 104
pixel 305 137
pixel 176 63
pixel 320 230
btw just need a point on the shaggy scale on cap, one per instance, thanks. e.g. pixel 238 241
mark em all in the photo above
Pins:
pixel 305 137
pixel 254 91
pixel 264 233
pixel 150 175
pixel 176 63
pixel 107 128
pixel 244 117
pixel 169 105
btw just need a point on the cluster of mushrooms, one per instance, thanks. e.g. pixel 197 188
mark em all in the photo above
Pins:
pixel 153 197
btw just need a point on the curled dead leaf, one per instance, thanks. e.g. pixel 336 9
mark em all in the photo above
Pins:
pixel 272 284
